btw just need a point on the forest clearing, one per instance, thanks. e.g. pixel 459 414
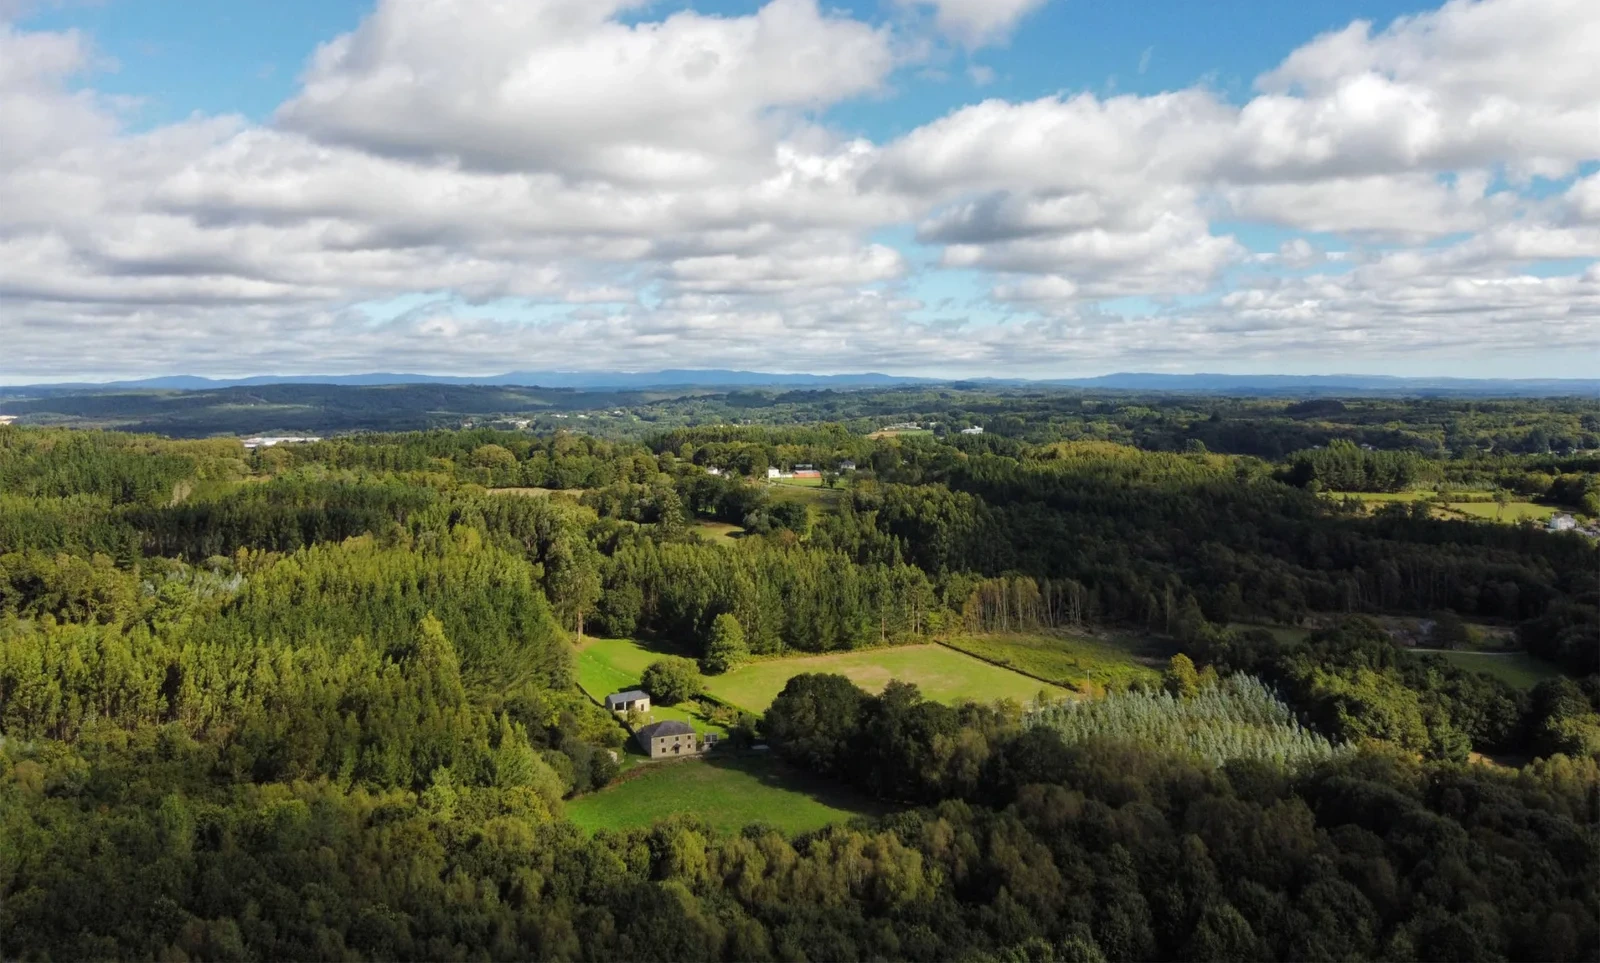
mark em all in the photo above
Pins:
pixel 1518 669
pixel 727 789
pixel 942 674
pixel 1079 662
pixel 723 533
pixel 1480 507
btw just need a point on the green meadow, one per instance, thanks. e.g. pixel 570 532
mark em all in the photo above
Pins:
pixel 1515 668
pixel 1078 662
pixel 941 673
pixel 615 665
pixel 611 665
pixel 730 790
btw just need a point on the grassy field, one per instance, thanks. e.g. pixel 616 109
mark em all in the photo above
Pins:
pixel 615 665
pixel 612 665
pixel 538 492
pixel 1383 496
pixel 720 532
pixel 729 791
pixel 899 434
pixel 1283 633
pixel 1077 662
pixel 940 673
pixel 810 492
pixel 1512 511
pixel 1483 509
pixel 1515 668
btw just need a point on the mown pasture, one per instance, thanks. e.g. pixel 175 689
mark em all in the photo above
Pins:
pixel 615 665
pixel 941 673
pixel 729 790
pixel 1478 508
pixel 611 665
pixel 1079 662
pixel 1515 668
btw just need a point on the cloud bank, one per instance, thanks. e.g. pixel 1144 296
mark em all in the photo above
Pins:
pixel 476 185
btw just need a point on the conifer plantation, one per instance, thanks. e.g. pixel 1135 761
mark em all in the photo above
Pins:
pixel 320 701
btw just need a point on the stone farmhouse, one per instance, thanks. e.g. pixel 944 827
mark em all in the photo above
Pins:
pixel 663 740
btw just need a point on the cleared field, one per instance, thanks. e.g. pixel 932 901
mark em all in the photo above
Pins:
pixel 797 482
pixel 941 673
pixel 615 665
pixel 1515 668
pixel 728 791
pixel 1383 496
pixel 1077 662
pixel 717 531
pixel 898 434
pixel 1510 512
pixel 819 498
pixel 1482 508
pixel 1283 633
pixel 538 492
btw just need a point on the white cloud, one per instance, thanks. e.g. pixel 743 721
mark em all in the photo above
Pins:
pixel 557 86
pixel 1299 253
pixel 1409 207
pixel 977 22
pixel 643 193
pixel 1475 83
pixel 1584 199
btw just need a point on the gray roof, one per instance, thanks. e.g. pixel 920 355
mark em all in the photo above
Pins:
pixel 629 696
pixel 671 727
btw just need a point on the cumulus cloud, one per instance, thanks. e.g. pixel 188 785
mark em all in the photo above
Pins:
pixel 1404 207
pixel 572 183
pixel 977 22
pixel 1475 83
pixel 560 86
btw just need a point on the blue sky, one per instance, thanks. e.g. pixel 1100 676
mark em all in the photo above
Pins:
pixel 963 187
pixel 245 56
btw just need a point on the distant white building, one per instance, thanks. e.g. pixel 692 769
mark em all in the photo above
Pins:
pixel 713 471
pixel 974 430
pixel 7 419
pixel 267 441
pixel 774 473
pixel 847 466
pixel 1562 523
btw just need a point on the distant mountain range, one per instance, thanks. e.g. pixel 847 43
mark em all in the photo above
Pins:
pixel 1336 384
pixel 522 379
pixel 722 378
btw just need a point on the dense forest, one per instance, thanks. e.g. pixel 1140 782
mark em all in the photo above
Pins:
pixel 318 701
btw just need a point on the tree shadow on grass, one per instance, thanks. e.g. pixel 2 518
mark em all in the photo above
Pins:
pixel 775 773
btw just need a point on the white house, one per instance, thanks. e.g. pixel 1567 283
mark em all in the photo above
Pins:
pixel 774 473
pixel 713 471
pixel 974 430
pixel 1562 523
pixel 847 466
